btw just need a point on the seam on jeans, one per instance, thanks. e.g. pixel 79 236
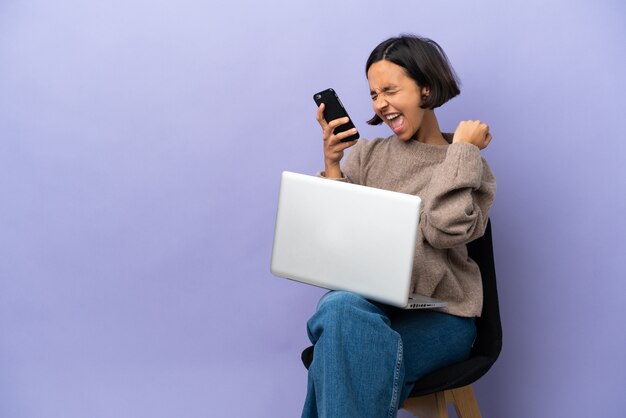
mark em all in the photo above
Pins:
pixel 393 408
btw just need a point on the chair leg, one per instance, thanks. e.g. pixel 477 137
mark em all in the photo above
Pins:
pixel 429 406
pixel 435 405
pixel 465 402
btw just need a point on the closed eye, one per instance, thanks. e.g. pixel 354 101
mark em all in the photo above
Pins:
pixel 387 91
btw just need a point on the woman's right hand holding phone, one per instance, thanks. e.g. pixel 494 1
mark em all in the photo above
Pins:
pixel 333 147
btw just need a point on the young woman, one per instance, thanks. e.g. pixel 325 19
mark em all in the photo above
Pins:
pixel 368 355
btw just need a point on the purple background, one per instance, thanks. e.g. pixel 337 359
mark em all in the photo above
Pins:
pixel 141 148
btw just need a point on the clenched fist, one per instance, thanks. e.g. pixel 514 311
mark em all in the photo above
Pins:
pixel 473 132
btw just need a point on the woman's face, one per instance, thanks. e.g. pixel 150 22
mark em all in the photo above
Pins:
pixel 396 98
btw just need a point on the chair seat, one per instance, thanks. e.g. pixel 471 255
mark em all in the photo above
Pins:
pixel 453 376
pixel 307 356
pixel 449 377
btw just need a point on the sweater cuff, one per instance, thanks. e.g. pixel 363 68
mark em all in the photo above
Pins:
pixel 469 163
pixel 464 148
pixel 322 174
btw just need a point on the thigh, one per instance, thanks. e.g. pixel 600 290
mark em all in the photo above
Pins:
pixel 432 340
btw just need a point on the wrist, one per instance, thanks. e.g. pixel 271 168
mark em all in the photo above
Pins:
pixel 332 171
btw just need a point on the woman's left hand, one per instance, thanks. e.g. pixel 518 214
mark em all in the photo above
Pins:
pixel 473 132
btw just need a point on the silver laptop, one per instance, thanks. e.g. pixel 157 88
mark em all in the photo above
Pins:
pixel 343 236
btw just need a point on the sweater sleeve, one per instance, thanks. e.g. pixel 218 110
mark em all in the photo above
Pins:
pixel 460 195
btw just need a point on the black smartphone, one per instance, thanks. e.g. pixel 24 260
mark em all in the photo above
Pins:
pixel 334 110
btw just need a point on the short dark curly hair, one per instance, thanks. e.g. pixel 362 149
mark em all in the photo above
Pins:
pixel 425 62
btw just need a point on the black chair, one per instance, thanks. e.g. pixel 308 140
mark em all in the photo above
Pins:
pixel 452 384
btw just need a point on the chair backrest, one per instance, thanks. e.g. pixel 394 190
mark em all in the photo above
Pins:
pixel 488 342
pixel 489 329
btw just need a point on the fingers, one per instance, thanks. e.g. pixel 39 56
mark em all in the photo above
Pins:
pixel 339 139
pixel 346 144
pixel 333 145
pixel 485 131
pixel 474 132
pixel 486 135
pixel 476 124
pixel 488 139
pixel 333 153
pixel 338 122
pixel 320 116
pixel 329 130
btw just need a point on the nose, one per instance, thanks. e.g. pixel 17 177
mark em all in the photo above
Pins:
pixel 380 103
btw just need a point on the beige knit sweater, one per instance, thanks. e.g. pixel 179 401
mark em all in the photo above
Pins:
pixel 457 189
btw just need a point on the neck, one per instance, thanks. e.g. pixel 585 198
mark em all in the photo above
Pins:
pixel 429 132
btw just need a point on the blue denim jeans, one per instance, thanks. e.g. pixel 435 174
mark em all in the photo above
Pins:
pixel 368 355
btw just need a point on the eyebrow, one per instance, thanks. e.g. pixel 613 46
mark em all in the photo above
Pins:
pixel 384 89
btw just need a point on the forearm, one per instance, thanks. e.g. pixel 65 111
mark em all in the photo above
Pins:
pixel 459 199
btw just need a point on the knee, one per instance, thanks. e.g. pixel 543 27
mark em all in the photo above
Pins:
pixel 345 317
pixel 341 311
pixel 339 303
pixel 339 299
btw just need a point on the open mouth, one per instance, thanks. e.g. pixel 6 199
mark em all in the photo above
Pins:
pixel 395 121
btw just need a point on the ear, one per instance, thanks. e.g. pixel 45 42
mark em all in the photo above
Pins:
pixel 425 91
